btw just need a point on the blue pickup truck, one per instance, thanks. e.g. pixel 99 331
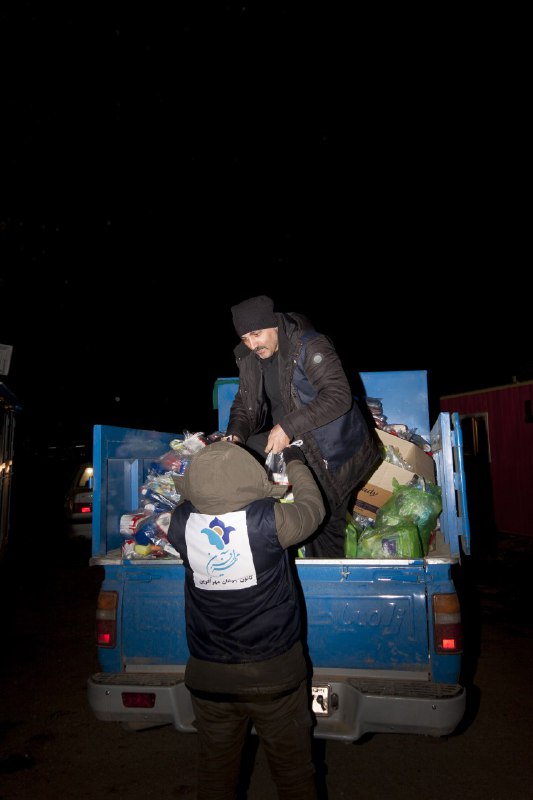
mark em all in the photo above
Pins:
pixel 384 635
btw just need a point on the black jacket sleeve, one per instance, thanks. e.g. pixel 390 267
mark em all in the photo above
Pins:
pixel 326 374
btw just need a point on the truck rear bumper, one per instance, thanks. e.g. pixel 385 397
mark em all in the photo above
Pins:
pixel 372 705
pixel 355 705
pixel 117 697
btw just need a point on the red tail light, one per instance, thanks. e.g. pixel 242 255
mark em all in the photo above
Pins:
pixel 83 508
pixel 138 699
pixel 447 621
pixel 106 619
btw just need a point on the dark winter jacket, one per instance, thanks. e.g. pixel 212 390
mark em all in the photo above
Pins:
pixel 318 404
pixel 242 606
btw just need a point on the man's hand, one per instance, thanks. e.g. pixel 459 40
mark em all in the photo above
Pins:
pixel 277 440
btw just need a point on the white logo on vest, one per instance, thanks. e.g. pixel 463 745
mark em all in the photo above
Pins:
pixel 219 551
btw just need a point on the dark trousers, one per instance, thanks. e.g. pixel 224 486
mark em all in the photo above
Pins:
pixel 284 730
pixel 328 542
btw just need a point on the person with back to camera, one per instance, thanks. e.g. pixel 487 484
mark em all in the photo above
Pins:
pixel 247 660
pixel 292 386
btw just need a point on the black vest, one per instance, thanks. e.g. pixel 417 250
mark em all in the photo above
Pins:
pixel 241 601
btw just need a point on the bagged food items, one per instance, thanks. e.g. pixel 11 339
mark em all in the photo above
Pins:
pixel 276 468
pixel 191 443
pixel 419 502
pixel 153 536
pixel 146 528
pixel 158 502
pixel 396 540
pixel 129 523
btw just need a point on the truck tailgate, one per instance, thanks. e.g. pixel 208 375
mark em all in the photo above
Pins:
pixel 360 615
pixel 366 615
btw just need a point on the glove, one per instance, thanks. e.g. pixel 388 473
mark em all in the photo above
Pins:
pixel 293 453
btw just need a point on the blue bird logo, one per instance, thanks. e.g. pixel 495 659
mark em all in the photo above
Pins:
pixel 218 533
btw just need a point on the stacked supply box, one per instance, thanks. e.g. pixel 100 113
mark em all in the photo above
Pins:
pixel 378 488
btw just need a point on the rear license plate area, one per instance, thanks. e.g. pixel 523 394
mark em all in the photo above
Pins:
pixel 320 696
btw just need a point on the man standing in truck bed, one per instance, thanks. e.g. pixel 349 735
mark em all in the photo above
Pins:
pixel 292 386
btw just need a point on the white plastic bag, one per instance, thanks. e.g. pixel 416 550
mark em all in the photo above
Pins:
pixel 276 468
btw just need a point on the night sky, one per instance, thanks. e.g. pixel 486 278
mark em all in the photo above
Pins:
pixel 158 169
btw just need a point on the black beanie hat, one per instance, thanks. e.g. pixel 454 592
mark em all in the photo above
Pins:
pixel 254 315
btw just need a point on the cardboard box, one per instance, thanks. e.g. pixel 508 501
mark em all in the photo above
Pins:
pixel 378 488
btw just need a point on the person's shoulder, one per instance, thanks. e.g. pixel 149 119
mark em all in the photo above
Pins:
pixel 320 350
pixel 317 340
pixel 297 325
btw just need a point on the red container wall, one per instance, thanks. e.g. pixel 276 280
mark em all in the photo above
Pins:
pixel 509 412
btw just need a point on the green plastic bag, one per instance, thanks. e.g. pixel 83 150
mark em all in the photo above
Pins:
pixel 395 540
pixel 420 504
pixel 351 536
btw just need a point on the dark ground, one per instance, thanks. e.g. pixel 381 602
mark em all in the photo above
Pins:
pixel 51 746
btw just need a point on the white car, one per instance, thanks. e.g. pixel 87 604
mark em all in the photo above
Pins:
pixel 79 504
